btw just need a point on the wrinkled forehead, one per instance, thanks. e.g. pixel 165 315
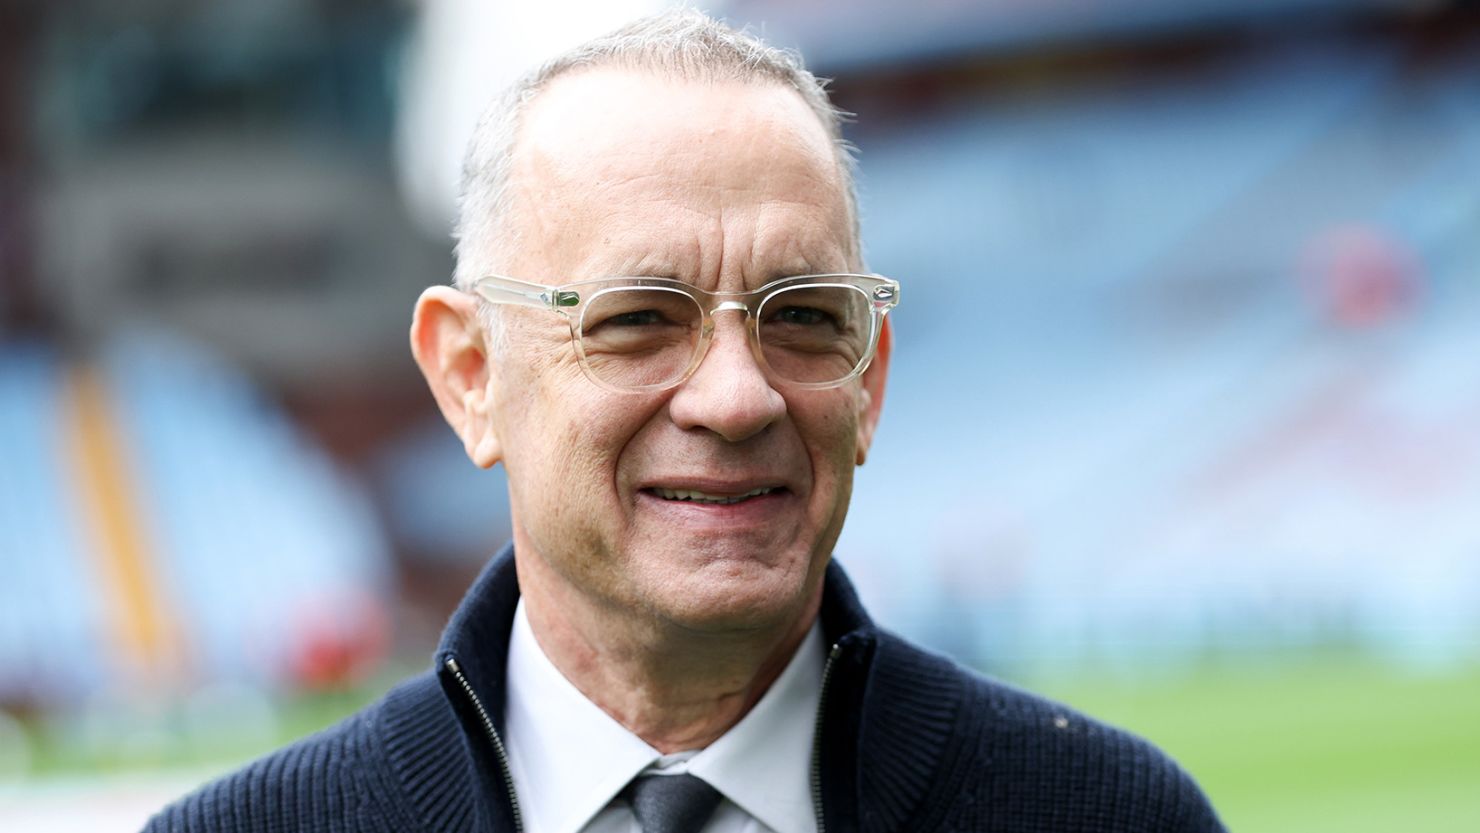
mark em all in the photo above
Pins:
pixel 612 166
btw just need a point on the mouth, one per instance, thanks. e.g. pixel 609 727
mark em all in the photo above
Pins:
pixel 696 496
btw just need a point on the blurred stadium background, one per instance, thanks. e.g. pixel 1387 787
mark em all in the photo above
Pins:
pixel 1184 423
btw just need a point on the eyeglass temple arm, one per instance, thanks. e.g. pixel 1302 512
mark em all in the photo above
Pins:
pixel 497 290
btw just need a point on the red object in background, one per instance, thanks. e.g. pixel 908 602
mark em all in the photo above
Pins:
pixel 339 643
pixel 1361 276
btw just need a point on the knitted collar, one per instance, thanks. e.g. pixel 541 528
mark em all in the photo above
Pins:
pixel 886 724
pixel 477 635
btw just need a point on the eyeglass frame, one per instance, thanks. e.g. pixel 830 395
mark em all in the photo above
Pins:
pixel 569 301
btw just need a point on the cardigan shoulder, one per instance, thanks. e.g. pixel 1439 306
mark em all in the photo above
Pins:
pixel 384 768
pixel 1012 760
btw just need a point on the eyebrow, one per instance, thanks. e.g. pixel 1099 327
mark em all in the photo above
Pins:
pixel 797 268
pixel 651 264
pixel 646 266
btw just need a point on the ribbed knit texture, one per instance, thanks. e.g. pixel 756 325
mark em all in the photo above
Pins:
pixel 417 727
pixel 309 786
pixel 911 710
pixel 911 742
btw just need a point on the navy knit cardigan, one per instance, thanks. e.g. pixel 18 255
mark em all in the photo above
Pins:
pixel 908 741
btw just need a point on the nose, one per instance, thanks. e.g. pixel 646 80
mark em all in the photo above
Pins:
pixel 729 393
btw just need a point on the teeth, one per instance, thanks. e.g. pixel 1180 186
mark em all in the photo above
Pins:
pixel 702 497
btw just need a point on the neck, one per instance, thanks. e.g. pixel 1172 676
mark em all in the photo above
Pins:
pixel 676 687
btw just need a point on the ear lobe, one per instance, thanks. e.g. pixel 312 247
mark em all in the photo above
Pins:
pixel 871 394
pixel 447 343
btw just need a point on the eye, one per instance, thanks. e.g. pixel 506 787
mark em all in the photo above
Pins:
pixel 636 318
pixel 802 316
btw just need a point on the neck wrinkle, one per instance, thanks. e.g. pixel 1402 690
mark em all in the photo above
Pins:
pixel 677 690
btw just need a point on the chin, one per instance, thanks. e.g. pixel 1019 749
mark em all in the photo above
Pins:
pixel 735 601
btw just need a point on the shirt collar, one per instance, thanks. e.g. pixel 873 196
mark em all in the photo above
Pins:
pixel 569 758
pixel 763 762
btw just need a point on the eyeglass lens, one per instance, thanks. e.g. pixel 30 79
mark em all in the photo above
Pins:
pixel 635 337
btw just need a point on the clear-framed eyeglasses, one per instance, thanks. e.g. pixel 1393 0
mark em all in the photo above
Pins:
pixel 648 334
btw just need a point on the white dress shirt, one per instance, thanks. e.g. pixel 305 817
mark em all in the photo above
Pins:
pixel 570 759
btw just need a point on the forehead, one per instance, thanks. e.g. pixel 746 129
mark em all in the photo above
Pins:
pixel 616 171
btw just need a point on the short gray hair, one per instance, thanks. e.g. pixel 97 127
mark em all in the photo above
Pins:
pixel 680 43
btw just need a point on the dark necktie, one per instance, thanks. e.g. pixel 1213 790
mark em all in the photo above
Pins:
pixel 671 803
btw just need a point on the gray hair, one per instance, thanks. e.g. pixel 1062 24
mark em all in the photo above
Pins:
pixel 679 43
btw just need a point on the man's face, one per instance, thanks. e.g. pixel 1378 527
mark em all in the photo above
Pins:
pixel 726 186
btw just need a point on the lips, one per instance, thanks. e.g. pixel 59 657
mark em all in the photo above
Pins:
pixel 707 490
pixel 697 496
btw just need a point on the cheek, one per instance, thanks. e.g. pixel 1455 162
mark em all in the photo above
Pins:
pixel 830 429
pixel 539 437
pixel 570 439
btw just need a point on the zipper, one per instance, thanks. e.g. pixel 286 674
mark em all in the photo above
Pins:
pixel 827 668
pixel 498 744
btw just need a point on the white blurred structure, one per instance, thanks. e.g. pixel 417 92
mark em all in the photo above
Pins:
pixel 462 53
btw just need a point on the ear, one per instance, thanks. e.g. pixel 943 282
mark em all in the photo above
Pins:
pixel 448 345
pixel 871 394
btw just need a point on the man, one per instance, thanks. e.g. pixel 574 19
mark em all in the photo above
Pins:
pixel 667 644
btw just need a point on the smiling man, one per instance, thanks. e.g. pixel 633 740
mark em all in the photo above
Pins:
pixel 662 328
